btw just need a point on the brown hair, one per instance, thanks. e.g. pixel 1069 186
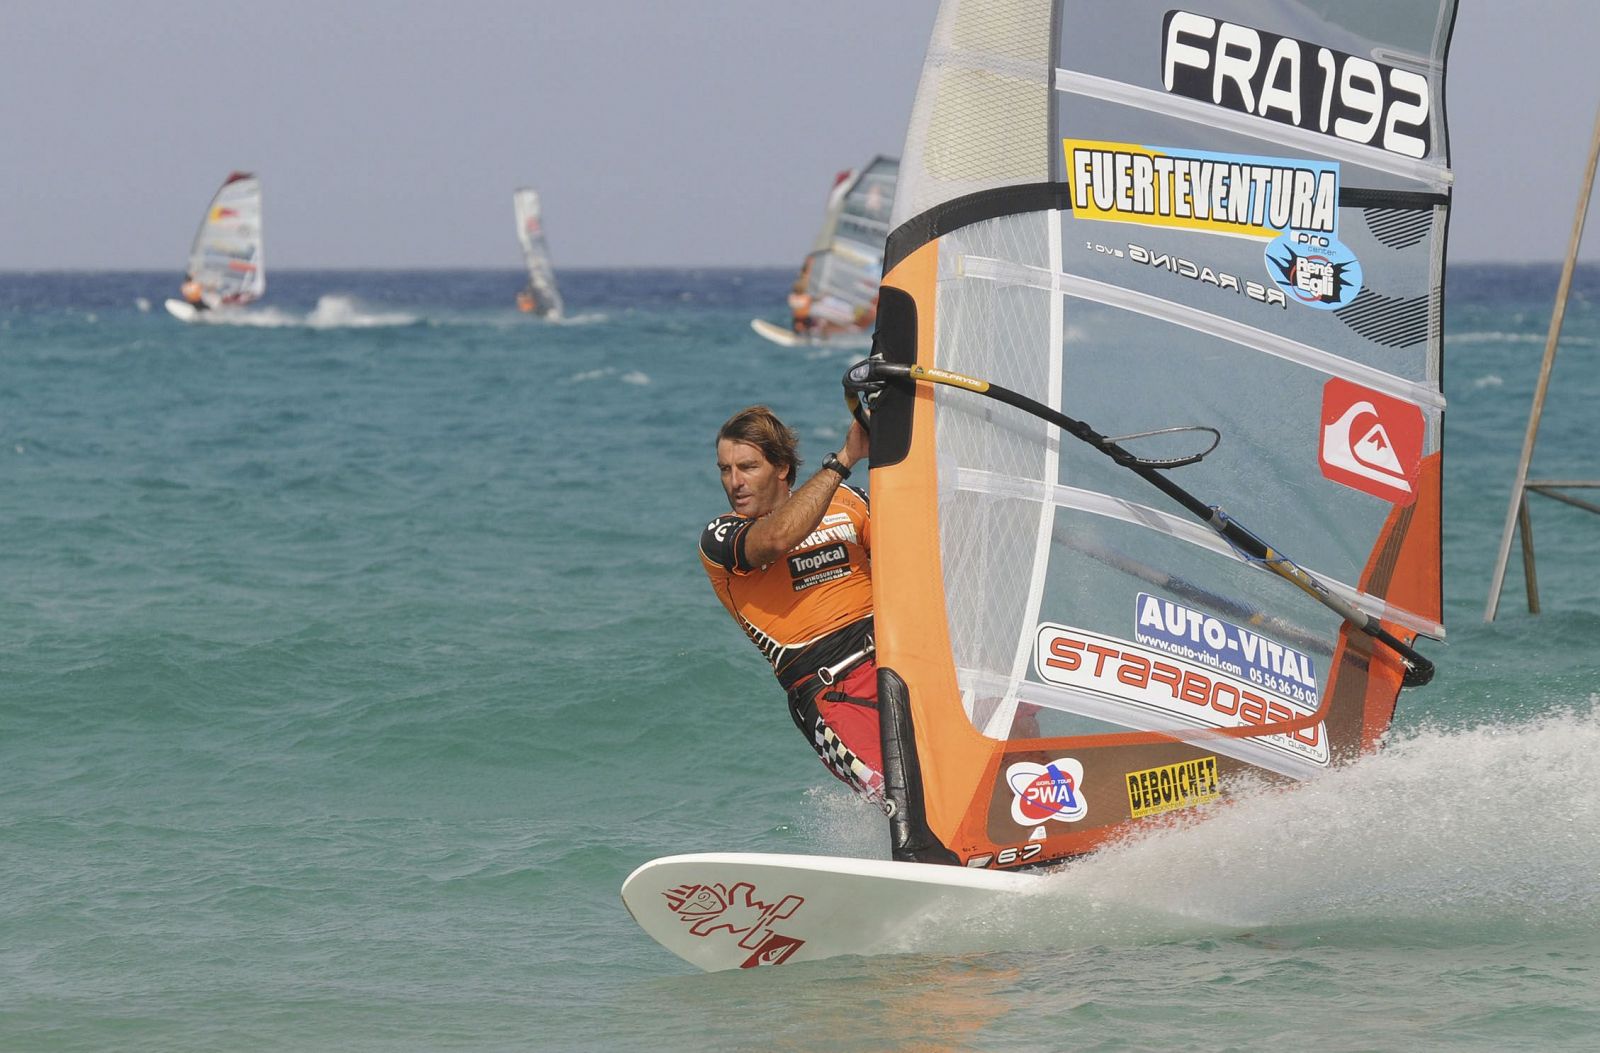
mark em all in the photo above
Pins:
pixel 761 428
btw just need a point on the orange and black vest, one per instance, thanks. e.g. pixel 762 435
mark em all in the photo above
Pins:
pixel 813 607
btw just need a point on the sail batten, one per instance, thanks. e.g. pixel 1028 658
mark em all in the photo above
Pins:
pixel 1140 220
pixel 1201 321
pixel 1180 529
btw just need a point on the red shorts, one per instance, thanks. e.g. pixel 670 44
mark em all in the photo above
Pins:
pixel 854 723
pixel 844 729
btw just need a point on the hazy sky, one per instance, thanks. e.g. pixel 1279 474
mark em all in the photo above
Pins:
pixel 667 132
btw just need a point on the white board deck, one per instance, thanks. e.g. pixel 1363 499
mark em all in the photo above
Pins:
pixel 739 910
pixel 182 310
pixel 777 333
pixel 789 338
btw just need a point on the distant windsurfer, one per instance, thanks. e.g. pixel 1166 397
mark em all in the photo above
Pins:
pixel 800 301
pixel 527 302
pixel 192 293
pixel 792 564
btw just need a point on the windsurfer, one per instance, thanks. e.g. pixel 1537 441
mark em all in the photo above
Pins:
pixel 800 300
pixel 792 564
pixel 191 292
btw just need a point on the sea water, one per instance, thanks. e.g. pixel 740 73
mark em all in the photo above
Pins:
pixel 354 653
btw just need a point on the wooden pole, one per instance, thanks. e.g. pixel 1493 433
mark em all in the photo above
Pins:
pixel 1556 317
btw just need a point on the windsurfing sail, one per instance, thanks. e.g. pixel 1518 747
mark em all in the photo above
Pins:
pixel 835 296
pixel 1119 220
pixel 226 266
pixel 540 295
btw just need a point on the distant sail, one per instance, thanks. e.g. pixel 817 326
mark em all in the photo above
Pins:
pixel 1145 217
pixel 540 296
pixel 835 296
pixel 226 259
pixel 846 264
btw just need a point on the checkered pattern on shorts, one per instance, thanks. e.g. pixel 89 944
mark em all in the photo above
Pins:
pixel 845 765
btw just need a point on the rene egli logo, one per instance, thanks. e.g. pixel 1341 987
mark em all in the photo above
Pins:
pixel 1371 441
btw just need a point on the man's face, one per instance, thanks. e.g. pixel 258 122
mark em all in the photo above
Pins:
pixel 754 485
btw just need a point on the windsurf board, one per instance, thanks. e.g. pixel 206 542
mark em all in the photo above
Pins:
pixel 740 910
pixel 182 310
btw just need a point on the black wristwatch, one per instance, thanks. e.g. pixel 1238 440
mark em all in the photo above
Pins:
pixel 832 461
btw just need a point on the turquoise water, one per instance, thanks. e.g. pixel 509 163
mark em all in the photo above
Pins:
pixel 352 658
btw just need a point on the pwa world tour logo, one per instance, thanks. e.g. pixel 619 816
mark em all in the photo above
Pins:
pixel 1040 792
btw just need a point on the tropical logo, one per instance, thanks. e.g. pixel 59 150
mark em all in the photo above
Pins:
pixel 1040 792
pixel 1371 442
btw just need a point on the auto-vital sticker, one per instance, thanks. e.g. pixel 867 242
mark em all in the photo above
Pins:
pixel 1218 643
pixel 1370 441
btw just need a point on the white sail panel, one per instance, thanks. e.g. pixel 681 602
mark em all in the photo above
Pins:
pixel 845 268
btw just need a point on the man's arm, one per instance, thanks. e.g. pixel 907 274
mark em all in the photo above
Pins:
pixel 787 526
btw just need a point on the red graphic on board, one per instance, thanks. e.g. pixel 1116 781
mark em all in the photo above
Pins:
pixel 708 909
pixel 774 950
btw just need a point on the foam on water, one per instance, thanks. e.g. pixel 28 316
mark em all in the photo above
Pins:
pixel 1489 831
pixel 636 377
pixel 346 312
pixel 332 311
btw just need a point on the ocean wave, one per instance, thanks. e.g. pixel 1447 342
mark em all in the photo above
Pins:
pixel 1497 337
pixel 636 377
